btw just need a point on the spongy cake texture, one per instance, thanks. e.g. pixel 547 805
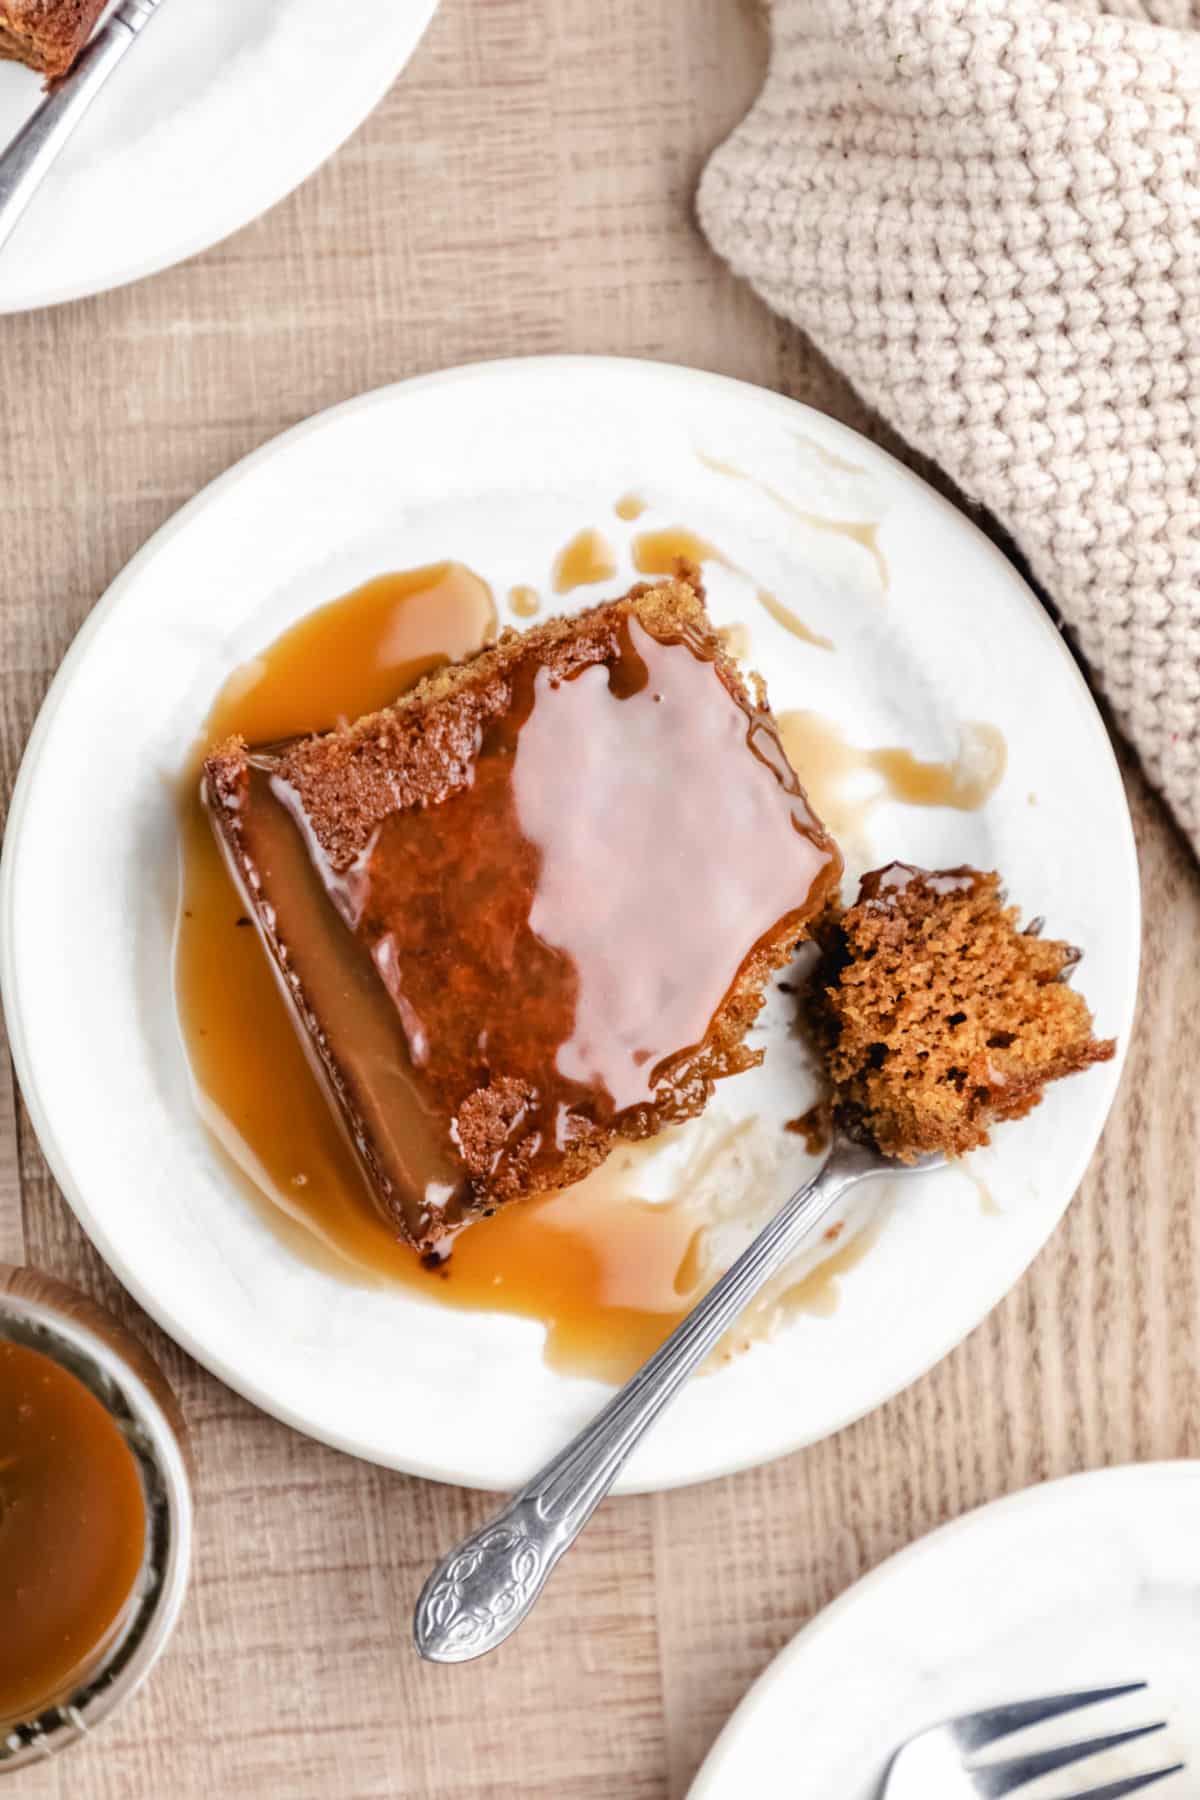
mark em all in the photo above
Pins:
pixel 46 35
pixel 937 1016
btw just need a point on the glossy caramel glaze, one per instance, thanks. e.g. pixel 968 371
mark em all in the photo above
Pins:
pixel 72 1530
pixel 491 991
pixel 607 1271
pixel 524 602
pixel 355 654
pixel 661 552
pixel 601 1268
pixel 897 877
pixel 251 1069
pixel 587 559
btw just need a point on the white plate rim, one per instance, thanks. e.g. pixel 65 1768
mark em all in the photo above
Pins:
pixel 379 74
pixel 982 1519
pixel 211 495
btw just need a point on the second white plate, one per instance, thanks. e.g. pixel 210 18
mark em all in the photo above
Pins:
pixel 499 466
pixel 1086 1583
pixel 215 114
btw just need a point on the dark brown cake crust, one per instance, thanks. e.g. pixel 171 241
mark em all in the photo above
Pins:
pixel 46 35
pixel 375 792
pixel 421 751
pixel 937 1016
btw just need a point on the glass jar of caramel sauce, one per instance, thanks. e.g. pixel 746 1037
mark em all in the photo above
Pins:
pixel 95 1515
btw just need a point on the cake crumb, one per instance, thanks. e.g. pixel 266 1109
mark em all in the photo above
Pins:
pixel 815 1126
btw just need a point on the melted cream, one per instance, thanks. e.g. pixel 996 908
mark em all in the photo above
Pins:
pixel 816 1292
pixel 864 533
pixel 988 1205
pixel 791 621
pixel 827 456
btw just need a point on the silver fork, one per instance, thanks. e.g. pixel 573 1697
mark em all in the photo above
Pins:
pixel 934 1766
pixel 28 159
pixel 481 1591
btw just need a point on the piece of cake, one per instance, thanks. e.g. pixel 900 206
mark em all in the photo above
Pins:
pixel 937 1017
pixel 46 35
pixel 532 907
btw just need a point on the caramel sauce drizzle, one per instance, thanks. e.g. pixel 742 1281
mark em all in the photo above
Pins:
pixel 608 1267
pixel 864 533
pixel 832 767
pixel 660 552
pixel 586 560
pixel 524 602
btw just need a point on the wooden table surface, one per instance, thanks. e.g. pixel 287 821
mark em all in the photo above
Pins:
pixel 526 187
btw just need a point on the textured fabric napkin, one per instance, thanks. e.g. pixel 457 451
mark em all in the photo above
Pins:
pixel 987 214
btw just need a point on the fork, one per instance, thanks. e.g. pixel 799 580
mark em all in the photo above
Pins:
pixel 27 160
pixel 481 1591
pixel 934 1763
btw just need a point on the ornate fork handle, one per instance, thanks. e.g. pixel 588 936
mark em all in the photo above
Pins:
pixel 26 162
pixel 480 1593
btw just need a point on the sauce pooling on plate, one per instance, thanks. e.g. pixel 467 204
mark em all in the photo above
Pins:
pixel 606 1272
pixel 72 1530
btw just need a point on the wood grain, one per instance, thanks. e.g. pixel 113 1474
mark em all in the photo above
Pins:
pixel 12 1224
pixel 527 187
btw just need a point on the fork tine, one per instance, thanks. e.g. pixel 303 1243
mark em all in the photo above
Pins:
pixel 1132 1785
pixel 1001 1778
pixel 977 1730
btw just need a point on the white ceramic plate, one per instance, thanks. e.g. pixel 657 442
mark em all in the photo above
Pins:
pixel 500 465
pixel 217 112
pixel 1085 1583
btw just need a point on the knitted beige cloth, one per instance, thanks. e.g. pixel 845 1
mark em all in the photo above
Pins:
pixel 987 214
